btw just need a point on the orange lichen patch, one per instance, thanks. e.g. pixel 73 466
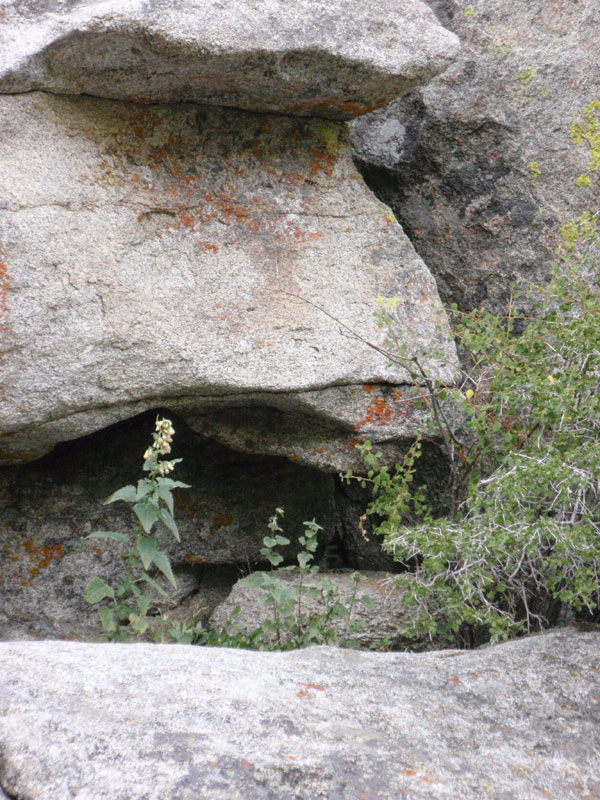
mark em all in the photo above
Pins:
pixel 38 557
pixel 313 686
pixel 368 387
pixel 377 413
pixel 357 109
pixel 306 105
pixel 187 509
pixel 322 164
pixel 208 247
pixel 349 109
pixel 220 520
pixel 48 554
pixel 179 196
pixel 186 220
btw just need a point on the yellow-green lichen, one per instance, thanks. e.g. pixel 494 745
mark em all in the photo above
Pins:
pixel 526 75
pixel 586 130
pixel 534 171
pixel 585 227
pixel 329 133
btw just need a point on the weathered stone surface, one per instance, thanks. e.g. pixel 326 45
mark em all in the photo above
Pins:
pixel 317 428
pixel 126 722
pixel 48 506
pixel 377 622
pixel 146 254
pixel 336 59
pixel 454 158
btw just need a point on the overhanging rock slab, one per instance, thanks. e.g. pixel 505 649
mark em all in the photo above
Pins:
pixel 158 254
pixel 336 59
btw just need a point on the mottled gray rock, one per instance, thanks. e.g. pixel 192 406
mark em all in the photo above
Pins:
pixel 317 428
pixel 336 59
pixel 147 256
pixel 376 621
pixel 458 160
pixel 49 505
pixel 126 722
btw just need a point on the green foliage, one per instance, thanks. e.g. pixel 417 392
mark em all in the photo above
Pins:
pixel 125 606
pixel 522 539
pixel 287 623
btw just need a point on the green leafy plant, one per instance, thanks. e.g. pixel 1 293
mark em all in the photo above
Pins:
pixel 521 434
pixel 124 607
pixel 286 593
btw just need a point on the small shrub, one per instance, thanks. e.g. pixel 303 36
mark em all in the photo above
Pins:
pixel 522 538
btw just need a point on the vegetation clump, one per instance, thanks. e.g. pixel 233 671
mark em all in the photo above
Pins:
pixel 124 607
pixel 521 544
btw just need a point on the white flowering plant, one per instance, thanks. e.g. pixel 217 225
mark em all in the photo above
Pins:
pixel 124 608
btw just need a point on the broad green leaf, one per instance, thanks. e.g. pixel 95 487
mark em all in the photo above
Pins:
pixel 255 580
pixel 166 496
pixel 126 493
pixel 107 618
pixel 96 590
pixel 143 604
pixel 139 624
pixel 118 537
pixel 274 559
pixel 168 520
pixel 168 483
pixel 147 513
pixel 144 487
pixel 162 562
pixel 147 547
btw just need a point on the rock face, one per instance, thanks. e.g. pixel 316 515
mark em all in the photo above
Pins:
pixel 150 254
pixel 126 722
pixel 479 166
pixel 316 59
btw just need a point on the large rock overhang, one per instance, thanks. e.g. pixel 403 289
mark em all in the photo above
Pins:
pixel 337 59
pixel 158 254
pixel 205 259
